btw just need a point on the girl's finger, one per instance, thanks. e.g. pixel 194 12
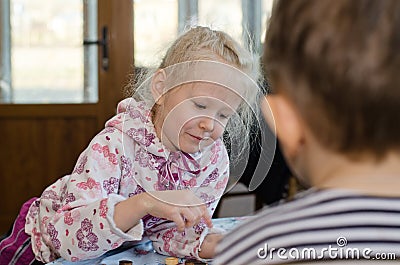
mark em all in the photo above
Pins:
pixel 197 211
pixel 195 217
pixel 178 219
pixel 207 218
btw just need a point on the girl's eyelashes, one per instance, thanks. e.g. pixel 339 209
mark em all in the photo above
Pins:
pixel 203 106
pixel 224 116
pixel 199 105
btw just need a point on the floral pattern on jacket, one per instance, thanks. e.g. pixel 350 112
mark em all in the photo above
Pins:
pixel 73 218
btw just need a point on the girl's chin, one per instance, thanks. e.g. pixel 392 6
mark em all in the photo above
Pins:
pixel 190 150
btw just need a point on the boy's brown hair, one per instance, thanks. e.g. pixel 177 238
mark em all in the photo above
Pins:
pixel 340 61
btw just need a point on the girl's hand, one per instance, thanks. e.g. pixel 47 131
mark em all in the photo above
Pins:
pixel 180 206
pixel 208 246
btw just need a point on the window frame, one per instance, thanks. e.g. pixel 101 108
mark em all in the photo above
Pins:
pixel 5 52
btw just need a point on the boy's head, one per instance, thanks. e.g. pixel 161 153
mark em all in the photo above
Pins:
pixel 338 65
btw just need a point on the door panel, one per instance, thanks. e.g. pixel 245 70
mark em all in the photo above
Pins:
pixel 36 151
pixel 41 143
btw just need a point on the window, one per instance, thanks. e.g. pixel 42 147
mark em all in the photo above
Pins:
pixel 42 57
pixel 155 26
pixel 157 23
pixel 227 16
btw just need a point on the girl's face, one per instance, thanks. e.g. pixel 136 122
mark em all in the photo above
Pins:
pixel 192 116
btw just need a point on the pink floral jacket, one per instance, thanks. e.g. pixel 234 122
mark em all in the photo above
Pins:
pixel 73 218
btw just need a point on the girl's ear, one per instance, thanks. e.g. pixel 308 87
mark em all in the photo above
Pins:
pixel 290 129
pixel 158 86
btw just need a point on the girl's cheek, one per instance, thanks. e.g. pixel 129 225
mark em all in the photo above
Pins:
pixel 218 131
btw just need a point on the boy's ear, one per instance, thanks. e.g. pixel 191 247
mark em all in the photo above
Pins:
pixel 289 127
pixel 158 85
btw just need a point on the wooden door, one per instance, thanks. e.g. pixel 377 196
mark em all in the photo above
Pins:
pixel 41 142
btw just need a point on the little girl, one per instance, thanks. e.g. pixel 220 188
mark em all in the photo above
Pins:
pixel 160 165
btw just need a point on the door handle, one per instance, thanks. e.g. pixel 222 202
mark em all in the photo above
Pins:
pixel 103 43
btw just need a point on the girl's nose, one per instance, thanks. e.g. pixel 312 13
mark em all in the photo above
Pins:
pixel 207 124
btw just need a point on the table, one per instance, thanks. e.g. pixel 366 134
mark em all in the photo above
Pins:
pixel 142 253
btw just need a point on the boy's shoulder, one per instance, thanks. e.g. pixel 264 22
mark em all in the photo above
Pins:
pixel 316 219
pixel 311 211
pixel 314 203
pixel 303 200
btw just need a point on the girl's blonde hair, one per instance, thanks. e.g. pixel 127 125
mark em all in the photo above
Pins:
pixel 203 43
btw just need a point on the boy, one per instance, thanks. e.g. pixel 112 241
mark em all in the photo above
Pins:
pixel 334 70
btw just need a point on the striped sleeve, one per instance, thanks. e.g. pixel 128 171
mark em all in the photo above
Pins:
pixel 320 225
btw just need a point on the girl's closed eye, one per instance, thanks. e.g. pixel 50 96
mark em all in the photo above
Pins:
pixel 224 116
pixel 199 105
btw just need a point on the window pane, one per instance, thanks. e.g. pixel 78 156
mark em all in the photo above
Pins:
pixel 155 27
pixel 266 14
pixel 47 56
pixel 225 15
pixel 157 22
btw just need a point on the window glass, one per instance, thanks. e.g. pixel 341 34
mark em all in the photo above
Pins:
pixel 47 55
pixel 225 15
pixel 157 22
pixel 155 27
pixel 266 6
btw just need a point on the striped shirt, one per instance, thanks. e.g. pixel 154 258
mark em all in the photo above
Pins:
pixel 317 225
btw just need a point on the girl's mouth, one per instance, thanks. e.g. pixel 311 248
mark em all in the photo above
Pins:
pixel 196 137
